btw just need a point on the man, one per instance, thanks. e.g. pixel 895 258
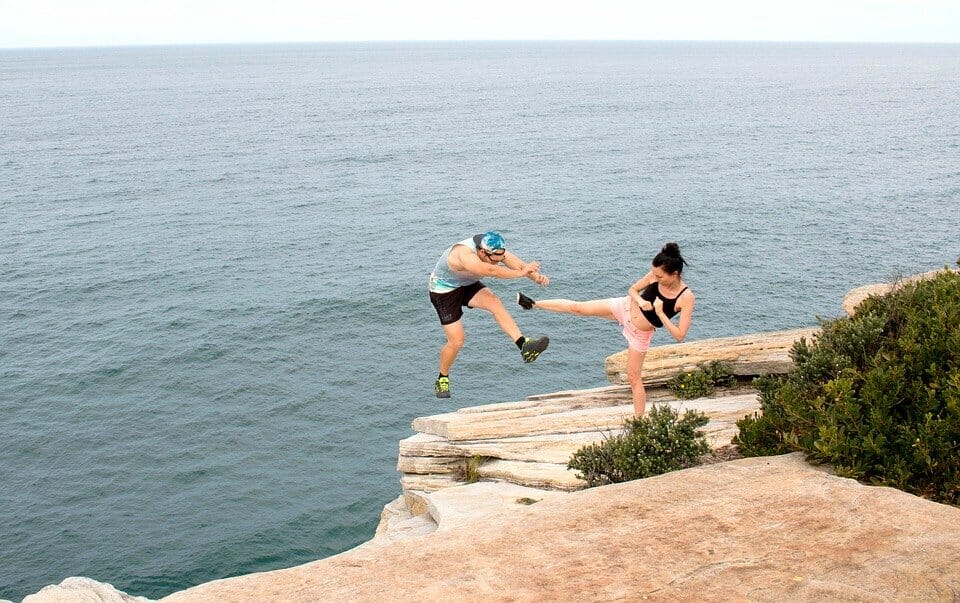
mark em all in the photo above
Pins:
pixel 455 282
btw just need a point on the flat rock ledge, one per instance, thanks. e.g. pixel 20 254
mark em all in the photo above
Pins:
pixel 748 355
pixel 760 529
pixel 529 442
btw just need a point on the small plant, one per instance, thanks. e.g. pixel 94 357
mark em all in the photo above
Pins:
pixel 701 382
pixel 657 443
pixel 526 500
pixel 469 471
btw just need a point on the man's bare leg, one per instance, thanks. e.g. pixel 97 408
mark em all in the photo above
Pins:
pixel 455 338
pixel 485 299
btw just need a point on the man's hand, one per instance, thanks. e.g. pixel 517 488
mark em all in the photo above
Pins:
pixel 530 268
pixel 540 279
pixel 532 272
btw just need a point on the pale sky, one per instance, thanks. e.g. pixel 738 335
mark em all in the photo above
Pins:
pixel 33 23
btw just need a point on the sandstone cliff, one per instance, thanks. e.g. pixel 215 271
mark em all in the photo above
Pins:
pixel 750 529
pixel 766 529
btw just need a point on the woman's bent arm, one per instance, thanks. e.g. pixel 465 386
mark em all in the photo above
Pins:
pixel 679 330
pixel 639 286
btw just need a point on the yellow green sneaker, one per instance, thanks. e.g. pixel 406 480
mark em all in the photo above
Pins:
pixel 532 348
pixel 442 387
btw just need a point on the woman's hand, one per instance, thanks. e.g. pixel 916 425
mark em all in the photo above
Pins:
pixel 643 304
pixel 658 307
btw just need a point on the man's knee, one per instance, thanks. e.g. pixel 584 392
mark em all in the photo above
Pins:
pixel 456 340
pixel 489 301
pixel 498 309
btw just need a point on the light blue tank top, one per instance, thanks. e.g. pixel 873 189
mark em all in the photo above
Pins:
pixel 444 279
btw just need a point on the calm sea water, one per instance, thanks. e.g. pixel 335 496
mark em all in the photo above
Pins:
pixel 213 260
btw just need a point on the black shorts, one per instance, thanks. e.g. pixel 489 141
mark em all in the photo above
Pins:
pixel 449 305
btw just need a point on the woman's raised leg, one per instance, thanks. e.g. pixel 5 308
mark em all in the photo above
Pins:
pixel 596 307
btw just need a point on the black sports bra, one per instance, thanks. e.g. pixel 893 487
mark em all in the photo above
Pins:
pixel 651 293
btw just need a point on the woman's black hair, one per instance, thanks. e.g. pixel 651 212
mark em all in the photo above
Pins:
pixel 669 259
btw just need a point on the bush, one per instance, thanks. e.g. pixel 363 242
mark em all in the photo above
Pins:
pixel 877 395
pixel 701 382
pixel 649 445
pixel 760 435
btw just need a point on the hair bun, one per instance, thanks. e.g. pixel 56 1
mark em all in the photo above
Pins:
pixel 671 250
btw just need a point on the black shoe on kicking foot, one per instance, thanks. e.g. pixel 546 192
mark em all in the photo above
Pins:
pixel 442 387
pixel 532 348
pixel 525 302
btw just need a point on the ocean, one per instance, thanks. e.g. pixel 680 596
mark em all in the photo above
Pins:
pixel 214 325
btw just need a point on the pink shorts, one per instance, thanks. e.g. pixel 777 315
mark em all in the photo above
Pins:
pixel 636 339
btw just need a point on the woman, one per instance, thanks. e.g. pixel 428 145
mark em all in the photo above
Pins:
pixel 650 304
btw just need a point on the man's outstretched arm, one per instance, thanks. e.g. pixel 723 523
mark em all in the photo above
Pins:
pixel 530 270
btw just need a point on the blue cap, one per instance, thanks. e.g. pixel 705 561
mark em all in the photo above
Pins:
pixel 492 242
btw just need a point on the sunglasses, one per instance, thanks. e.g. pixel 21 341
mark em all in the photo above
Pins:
pixel 498 255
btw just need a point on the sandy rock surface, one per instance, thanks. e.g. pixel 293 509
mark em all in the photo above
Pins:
pixel 765 529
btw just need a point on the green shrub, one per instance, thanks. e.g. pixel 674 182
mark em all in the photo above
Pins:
pixel 656 443
pixel 701 382
pixel 759 434
pixel 877 395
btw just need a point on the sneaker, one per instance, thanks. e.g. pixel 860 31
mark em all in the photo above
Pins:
pixel 532 348
pixel 525 302
pixel 442 387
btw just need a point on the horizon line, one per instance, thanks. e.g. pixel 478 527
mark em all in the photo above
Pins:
pixel 473 41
